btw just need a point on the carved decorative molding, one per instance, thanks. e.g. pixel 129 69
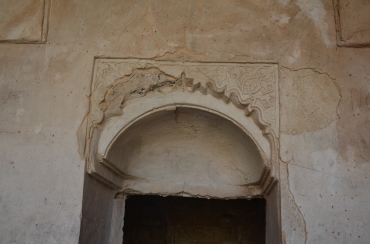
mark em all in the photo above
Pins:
pixel 117 82
pixel 253 87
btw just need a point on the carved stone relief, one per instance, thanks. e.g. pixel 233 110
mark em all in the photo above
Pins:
pixel 116 82
pixel 253 87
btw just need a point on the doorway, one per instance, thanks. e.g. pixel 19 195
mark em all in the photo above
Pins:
pixel 179 220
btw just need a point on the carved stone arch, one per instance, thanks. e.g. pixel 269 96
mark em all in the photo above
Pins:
pixel 127 94
pixel 115 127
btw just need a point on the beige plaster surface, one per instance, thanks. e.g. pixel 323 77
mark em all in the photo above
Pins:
pixel 23 21
pixel 45 90
pixel 311 100
pixel 354 22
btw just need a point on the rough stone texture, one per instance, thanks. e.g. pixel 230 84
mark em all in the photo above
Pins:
pixel 23 21
pixel 45 92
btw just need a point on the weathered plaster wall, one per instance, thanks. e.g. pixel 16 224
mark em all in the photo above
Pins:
pixel 96 228
pixel 324 101
pixel 24 22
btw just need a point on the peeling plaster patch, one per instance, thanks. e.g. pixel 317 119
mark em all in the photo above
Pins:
pixel 309 100
pixel 315 10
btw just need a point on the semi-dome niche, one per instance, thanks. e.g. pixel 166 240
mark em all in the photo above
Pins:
pixel 186 150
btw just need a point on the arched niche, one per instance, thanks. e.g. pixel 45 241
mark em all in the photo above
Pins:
pixel 152 130
pixel 184 150
pixel 252 150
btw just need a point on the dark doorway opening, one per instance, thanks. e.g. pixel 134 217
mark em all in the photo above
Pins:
pixel 181 220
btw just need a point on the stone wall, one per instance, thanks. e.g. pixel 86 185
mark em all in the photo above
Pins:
pixel 321 48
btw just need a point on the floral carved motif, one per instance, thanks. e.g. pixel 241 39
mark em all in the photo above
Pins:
pixel 252 87
pixel 255 85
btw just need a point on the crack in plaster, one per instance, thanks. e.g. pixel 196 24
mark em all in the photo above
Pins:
pixel 350 181
pixel 234 54
pixel 338 29
pixel 186 55
pixel 299 210
pixel 308 68
pixel 127 26
pixel 147 16
pixel 356 32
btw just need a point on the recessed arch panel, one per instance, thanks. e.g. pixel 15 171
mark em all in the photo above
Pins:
pixel 187 146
